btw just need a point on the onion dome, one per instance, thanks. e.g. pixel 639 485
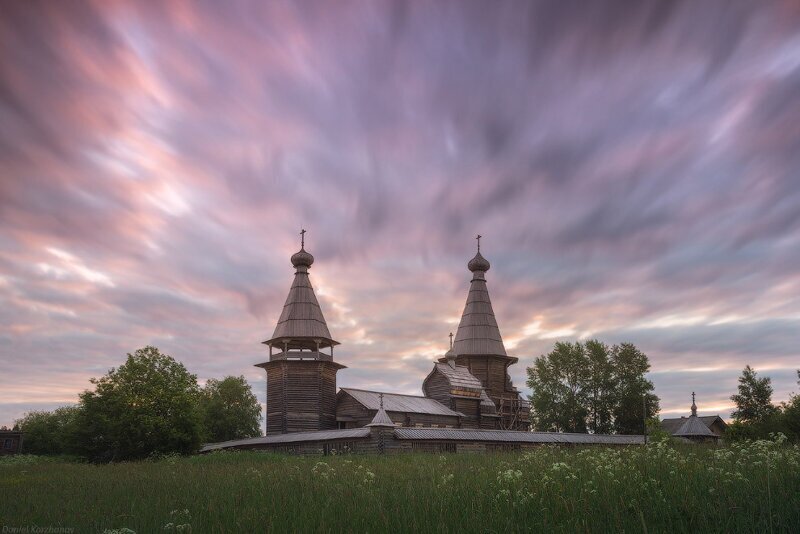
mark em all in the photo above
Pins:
pixel 302 259
pixel 478 263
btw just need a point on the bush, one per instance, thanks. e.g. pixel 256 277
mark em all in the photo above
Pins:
pixel 49 432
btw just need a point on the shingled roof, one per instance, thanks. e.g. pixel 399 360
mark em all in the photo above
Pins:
pixel 296 437
pixel 478 332
pixel 459 377
pixel 672 424
pixel 381 418
pixel 512 436
pixel 693 427
pixel 396 402
pixel 301 324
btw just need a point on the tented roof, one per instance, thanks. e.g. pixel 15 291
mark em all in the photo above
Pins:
pixel 693 426
pixel 673 424
pixel 301 320
pixel 478 332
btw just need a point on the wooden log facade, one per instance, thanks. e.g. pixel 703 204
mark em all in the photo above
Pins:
pixel 10 442
pixel 301 395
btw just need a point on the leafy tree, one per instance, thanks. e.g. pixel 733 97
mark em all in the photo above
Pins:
pixel 558 381
pixel 635 401
pixel 754 400
pixel 591 387
pixel 656 431
pixel 600 387
pixel 230 410
pixel 49 432
pixel 791 414
pixel 148 405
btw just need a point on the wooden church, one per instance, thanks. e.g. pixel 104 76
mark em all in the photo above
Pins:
pixel 469 402
pixel 469 387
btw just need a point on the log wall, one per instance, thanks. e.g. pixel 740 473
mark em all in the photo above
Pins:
pixel 301 396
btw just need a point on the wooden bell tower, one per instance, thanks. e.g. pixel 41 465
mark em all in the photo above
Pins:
pixel 301 373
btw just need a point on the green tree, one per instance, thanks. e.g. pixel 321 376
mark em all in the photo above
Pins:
pixel 230 410
pixel 147 405
pixel 558 382
pixel 791 414
pixel 49 432
pixel 635 401
pixel 754 400
pixel 600 387
pixel 579 387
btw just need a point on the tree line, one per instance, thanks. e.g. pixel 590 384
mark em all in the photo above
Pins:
pixel 594 387
pixel 591 387
pixel 150 405
pixel 756 417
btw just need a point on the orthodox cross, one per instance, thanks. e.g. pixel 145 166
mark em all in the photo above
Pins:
pixel 302 238
pixel 451 340
pixel 692 397
pixel 478 237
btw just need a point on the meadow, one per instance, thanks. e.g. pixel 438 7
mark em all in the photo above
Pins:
pixel 753 487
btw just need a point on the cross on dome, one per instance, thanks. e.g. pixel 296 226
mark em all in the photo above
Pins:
pixel 478 263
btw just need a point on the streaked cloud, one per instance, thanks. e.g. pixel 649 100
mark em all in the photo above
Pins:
pixel 633 168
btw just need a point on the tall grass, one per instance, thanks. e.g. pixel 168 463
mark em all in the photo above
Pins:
pixel 752 487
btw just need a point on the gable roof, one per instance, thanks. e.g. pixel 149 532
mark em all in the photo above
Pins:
pixel 711 419
pixel 397 402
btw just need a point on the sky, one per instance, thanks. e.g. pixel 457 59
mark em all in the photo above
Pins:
pixel 634 168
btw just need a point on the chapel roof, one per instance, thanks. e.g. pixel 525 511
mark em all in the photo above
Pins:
pixel 301 324
pixel 478 333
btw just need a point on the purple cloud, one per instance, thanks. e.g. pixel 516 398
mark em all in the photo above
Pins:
pixel 634 170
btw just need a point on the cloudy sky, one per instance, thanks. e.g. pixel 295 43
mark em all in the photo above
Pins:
pixel 633 166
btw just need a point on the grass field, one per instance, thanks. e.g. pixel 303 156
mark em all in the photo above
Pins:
pixel 658 488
